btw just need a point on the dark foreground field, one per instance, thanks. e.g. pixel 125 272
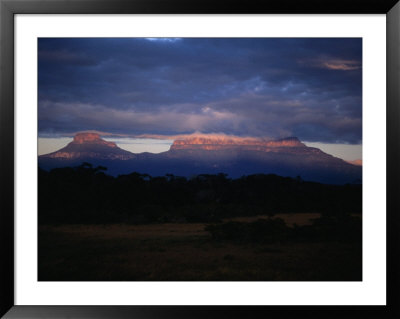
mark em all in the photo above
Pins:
pixel 182 251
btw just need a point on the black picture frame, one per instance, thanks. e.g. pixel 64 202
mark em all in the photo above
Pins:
pixel 8 8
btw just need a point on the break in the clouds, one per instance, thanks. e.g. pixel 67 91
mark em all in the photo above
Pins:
pixel 310 88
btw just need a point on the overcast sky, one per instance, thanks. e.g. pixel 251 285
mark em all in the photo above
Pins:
pixel 308 88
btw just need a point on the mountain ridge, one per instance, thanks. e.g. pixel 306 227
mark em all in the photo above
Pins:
pixel 203 155
pixel 223 142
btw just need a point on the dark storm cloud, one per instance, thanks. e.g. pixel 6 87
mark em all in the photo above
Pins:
pixel 310 88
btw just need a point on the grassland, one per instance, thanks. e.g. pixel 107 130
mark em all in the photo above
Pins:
pixel 186 252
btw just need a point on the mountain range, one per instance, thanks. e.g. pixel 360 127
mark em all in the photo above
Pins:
pixel 209 155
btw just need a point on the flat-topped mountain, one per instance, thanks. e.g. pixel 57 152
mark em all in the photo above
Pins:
pixel 236 147
pixel 90 146
pixel 195 155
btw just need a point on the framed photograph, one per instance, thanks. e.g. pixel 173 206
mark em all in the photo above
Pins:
pixel 188 160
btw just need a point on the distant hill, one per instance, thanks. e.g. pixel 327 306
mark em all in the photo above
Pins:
pixel 209 155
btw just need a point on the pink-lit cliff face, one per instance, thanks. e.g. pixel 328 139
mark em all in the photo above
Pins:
pixel 223 142
pixel 91 138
